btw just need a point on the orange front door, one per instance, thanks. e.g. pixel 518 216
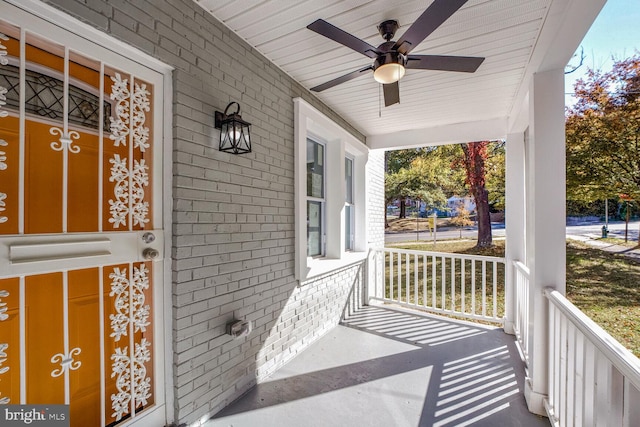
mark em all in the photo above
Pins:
pixel 81 237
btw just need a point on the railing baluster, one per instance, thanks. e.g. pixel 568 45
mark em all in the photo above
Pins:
pixel 484 288
pixel 453 284
pixel 399 281
pixel 443 282
pixel 588 406
pixel 553 346
pixel 381 292
pixel 415 279
pixel 390 276
pixel 424 280
pixel 473 287
pixel 400 268
pixel 562 359
pixel 602 386
pixel 463 286
pixel 433 281
pixel 578 394
pixel 407 278
pixel 398 287
pixel 495 290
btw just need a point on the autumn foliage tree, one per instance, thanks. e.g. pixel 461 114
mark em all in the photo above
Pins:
pixel 603 134
pixel 475 157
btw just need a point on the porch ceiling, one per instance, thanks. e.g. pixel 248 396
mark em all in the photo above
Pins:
pixel 517 38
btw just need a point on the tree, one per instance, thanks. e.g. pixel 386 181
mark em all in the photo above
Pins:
pixel 603 134
pixel 420 176
pixel 395 161
pixel 475 155
pixel 495 175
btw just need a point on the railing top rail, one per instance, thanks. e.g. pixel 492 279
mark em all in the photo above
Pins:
pixel 522 267
pixel 625 361
pixel 444 254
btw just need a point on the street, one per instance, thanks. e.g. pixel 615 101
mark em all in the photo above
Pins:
pixel 593 230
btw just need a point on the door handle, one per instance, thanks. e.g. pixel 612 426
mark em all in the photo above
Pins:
pixel 150 253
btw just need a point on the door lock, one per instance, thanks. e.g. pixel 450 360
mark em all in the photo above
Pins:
pixel 148 237
pixel 150 253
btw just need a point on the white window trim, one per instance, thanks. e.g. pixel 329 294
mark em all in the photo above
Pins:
pixel 352 204
pixel 308 121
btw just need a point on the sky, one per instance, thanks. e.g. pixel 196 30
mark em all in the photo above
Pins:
pixel 616 32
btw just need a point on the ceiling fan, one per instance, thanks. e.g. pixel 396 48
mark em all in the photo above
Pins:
pixel 391 58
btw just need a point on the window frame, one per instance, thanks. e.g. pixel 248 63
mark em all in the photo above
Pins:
pixel 320 200
pixel 339 143
pixel 349 204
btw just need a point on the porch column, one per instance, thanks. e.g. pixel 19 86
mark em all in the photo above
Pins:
pixel 514 221
pixel 545 237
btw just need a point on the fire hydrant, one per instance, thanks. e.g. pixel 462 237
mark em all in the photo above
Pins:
pixel 605 232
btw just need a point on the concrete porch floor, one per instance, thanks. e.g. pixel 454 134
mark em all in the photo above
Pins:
pixel 385 367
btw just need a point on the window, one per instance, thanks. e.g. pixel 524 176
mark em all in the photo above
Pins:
pixel 348 204
pixel 330 216
pixel 44 96
pixel 315 198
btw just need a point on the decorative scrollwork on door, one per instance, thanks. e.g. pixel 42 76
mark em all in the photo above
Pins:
pixel 66 362
pixel 65 141
pixel 130 175
pixel 132 311
pixel 3 113
pixel 3 346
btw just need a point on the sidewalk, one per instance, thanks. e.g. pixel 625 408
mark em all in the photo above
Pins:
pixel 594 241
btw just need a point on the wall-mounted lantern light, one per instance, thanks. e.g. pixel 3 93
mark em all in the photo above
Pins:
pixel 234 132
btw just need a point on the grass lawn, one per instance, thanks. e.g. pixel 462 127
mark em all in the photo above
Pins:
pixel 605 286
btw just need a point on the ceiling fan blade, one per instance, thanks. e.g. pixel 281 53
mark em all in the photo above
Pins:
pixel 331 83
pixel 322 27
pixel 465 64
pixel 438 12
pixel 391 94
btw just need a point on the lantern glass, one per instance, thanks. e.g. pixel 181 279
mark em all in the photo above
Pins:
pixel 235 136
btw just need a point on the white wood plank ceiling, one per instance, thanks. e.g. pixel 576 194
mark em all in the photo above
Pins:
pixel 505 32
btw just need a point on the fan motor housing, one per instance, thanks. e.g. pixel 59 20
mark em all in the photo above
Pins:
pixel 390 58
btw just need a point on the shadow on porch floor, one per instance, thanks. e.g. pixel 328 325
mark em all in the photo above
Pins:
pixel 384 367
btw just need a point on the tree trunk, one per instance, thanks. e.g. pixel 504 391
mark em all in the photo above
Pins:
pixel 403 209
pixel 386 220
pixel 485 239
pixel 474 161
pixel 626 224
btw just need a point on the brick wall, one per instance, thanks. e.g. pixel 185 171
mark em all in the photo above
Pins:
pixel 375 198
pixel 233 216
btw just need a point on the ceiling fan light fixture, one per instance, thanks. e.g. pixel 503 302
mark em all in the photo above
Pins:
pixel 389 68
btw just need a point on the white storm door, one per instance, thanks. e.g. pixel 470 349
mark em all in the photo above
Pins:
pixel 81 217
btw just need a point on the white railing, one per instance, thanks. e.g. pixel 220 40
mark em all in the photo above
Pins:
pixel 521 323
pixel 593 379
pixel 468 286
